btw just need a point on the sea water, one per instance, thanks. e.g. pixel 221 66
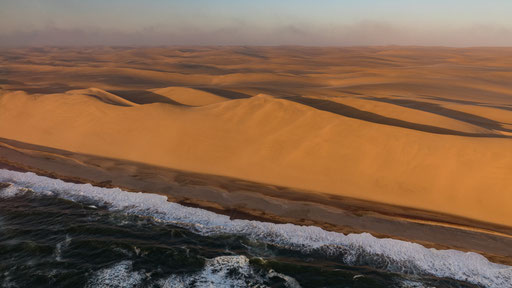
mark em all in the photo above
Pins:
pixel 59 234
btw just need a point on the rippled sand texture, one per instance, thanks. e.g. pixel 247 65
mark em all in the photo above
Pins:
pixel 428 128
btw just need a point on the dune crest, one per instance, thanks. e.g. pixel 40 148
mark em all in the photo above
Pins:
pixel 103 96
pixel 189 96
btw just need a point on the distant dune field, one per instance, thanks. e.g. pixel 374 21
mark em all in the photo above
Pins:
pixel 428 128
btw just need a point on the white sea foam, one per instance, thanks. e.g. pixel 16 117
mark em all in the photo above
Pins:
pixel 413 284
pixel 222 271
pixel 225 271
pixel 363 249
pixel 119 275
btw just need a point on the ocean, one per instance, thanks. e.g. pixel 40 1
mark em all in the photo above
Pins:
pixel 59 234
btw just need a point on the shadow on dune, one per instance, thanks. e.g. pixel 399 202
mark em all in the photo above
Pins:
pixel 224 93
pixel 143 97
pixel 458 101
pixel 191 68
pixel 107 101
pixel 48 89
pixel 503 107
pixel 128 81
pixel 440 110
pixel 349 92
pixel 351 112
pixel 508 107
pixel 11 82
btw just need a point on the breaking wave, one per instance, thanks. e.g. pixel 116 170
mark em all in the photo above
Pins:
pixel 222 271
pixel 353 249
pixel 226 271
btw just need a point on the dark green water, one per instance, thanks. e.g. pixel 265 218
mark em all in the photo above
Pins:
pixel 46 241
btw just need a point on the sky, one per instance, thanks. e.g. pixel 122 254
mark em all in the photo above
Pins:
pixel 258 22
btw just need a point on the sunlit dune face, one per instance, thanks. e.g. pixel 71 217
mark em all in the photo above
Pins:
pixel 429 128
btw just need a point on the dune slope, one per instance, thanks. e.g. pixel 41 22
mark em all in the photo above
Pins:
pixel 189 96
pixel 282 142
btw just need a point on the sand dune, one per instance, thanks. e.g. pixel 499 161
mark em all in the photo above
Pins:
pixel 281 142
pixel 409 115
pixel 429 128
pixel 103 96
pixel 189 96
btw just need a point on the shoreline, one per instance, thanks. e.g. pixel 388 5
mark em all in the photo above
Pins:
pixel 242 199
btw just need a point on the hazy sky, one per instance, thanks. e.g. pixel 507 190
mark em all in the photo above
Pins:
pixel 258 22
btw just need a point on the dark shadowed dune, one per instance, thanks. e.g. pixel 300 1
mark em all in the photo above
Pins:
pixel 438 109
pixel 224 93
pixel 143 97
pixel 349 111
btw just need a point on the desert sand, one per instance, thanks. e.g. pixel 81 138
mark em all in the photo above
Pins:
pixel 425 128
